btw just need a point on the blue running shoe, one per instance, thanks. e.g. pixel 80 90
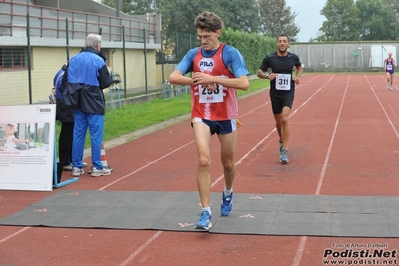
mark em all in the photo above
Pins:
pixel 280 145
pixel 205 221
pixel 227 204
pixel 284 156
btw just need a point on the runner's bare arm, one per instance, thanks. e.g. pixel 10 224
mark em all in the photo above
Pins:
pixel 178 78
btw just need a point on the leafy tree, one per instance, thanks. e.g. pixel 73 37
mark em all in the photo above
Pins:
pixel 178 23
pixel 240 15
pixel 378 20
pixel 277 18
pixel 178 15
pixel 342 22
pixel 394 6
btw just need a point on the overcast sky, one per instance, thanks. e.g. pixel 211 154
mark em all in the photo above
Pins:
pixel 308 19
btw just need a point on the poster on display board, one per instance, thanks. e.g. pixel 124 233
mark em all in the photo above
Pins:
pixel 27 137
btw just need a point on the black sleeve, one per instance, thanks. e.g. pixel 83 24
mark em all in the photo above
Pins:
pixel 298 62
pixel 264 65
pixel 104 78
pixel 65 77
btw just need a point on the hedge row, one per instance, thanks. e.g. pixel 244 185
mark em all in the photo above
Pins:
pixel 253 46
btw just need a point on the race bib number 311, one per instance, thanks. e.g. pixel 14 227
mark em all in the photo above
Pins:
pixel 283 82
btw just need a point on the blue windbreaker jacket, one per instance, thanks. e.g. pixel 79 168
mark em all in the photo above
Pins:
pixel 86 76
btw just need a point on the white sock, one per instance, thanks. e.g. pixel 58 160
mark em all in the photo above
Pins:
pixel 208 209
pixel 227 192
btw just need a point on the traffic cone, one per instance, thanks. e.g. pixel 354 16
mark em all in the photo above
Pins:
pixel 104 159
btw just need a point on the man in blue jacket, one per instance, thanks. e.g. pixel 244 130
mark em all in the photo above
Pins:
pixel 86 77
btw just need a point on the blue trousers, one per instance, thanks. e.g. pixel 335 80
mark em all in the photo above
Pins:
pixel 95 124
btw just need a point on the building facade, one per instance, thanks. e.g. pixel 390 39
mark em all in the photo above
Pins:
pixel 38 36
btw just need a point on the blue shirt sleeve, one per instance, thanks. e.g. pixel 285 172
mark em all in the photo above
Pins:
pixel 57 82
pixel 234 61
pixel 186 64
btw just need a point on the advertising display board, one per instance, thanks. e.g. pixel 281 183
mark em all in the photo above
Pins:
pixel 27 138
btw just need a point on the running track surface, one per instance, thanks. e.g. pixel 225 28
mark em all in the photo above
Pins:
pixel 344 141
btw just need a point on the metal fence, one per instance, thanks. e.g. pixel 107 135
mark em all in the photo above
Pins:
pixel 345 56
pixel 338 56
pixel 51 23
pixel 175 47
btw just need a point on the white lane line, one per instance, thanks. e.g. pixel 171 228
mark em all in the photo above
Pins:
pixel 326 159
pixel 145 166
pixel 12 235
pixel 303 239
pixel 141 248
pixel 382 107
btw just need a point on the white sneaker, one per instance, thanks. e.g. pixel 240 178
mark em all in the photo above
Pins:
pixel 69 166
pixel 97 172
pixel 77 172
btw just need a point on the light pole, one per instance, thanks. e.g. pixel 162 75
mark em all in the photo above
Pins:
pixel 118 2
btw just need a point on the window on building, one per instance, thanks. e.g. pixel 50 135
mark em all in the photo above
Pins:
pixel 13 58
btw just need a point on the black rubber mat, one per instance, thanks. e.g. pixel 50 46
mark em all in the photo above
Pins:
pixel 272 214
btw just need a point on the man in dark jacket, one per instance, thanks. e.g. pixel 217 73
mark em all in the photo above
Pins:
pixel 64 114
pixel 87 75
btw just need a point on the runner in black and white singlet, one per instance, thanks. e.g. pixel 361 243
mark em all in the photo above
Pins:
pixel 389 65
pixel 282 87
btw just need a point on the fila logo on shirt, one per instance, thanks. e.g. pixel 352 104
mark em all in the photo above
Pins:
pixel 206 65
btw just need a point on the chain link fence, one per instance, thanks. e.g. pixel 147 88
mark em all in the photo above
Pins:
pixel 345 56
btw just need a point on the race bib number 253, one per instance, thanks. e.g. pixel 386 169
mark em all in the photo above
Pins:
pixel 207 96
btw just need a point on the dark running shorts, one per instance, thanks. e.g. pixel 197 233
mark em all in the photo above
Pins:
pixel 279 101
pixel 219 127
